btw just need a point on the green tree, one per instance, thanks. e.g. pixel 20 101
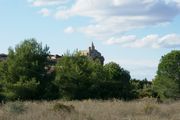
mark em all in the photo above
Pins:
pixel 116 73
pixel 24 73
pixel 76 75
pixel 142 88
pixel 2 66
pixel 120 80
pixel 167 81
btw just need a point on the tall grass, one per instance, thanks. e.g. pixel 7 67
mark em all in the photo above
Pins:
pixel 91 110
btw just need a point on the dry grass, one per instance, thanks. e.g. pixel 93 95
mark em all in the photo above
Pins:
pixel 90 110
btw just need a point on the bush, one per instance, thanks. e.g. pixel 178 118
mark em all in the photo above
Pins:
pixel 64 108
pixel 15 107
pixel 150 108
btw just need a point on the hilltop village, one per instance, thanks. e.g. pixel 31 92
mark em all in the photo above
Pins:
pixel 90 52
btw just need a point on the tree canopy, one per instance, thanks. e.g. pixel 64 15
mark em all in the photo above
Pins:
pixel 76 75
pixel 23 72
pixel 167 81
pixel 80 77
pixel 29 73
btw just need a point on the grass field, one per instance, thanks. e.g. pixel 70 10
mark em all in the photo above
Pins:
pixel 146 109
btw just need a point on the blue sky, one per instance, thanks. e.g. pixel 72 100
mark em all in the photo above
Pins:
pixel 133 33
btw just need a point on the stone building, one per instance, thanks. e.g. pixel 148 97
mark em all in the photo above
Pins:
pixel 93 53
pixel 3 57
pixel 53 58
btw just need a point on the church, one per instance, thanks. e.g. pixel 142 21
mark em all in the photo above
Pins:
pixel 93 53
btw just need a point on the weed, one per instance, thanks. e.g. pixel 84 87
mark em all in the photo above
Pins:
pixel 15 107
pixel 150 108
pixel 62 107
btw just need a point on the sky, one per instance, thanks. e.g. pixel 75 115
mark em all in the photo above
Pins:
pixel 133 33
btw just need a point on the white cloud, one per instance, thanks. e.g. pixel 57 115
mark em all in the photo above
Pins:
pixel 151 41
pixel 116 16
pixel 122 40
pixel 111 18
pixel 46 2
pixel 45 12
pixel 69 30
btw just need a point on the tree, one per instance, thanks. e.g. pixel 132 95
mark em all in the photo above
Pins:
pixel 80 77
pixel 2 66
pixel 120 78
pixel 167 81
pixel 142 88
pixel 116 73
pixel 76 76
pixel 24 73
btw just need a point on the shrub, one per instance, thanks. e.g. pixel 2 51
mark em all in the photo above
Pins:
pixel 64 108
pixel 150 108
pixel 15 107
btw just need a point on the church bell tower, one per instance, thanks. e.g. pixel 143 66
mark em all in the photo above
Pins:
pixel 92 46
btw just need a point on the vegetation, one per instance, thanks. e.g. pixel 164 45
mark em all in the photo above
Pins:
pixel 29 74
pixel 80 77
pixel 23 75
pixel 15 107
pixel 145 109
pixel 63 108
pixel 142 88
pixel 167 81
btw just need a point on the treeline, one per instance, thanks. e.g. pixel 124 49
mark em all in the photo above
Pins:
pixel 28 74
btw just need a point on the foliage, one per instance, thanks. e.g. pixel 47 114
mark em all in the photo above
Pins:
pixel 2 97
pixel 145 109
pixel 150 108
pixel 28 73
pixel 118 79
pixel 76 74
pixel 167 81
pixel 80 77
pixel 15 107
pixel 23 73
pixel 116 73
pixel 62 107
pixel 142 88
